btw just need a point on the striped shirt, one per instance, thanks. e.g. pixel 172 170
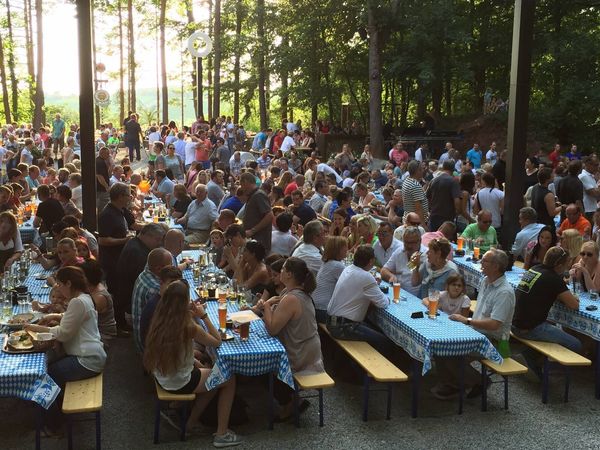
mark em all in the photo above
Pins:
pixel 412 192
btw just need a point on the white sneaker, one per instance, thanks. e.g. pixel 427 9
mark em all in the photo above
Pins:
pixel 229 439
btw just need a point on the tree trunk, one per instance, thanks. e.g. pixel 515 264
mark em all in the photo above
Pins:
pixel 157 61
pixel 332 115
pixel 260 24
pixel 239 17
pixel 29 49
pixel 14 85
pixel 314 85
pixel 284 92
pixel 209 62
pixel 97 115
pixel 121 67
pixel 196 67
pixel 217 63
pixel 375 125
pixel 5 97
pixel 352 91
pixel 131 58
pixel 38 113
pixel 163 63
pixel 448 87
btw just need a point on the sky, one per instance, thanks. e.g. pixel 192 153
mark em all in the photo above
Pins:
pixel 60 38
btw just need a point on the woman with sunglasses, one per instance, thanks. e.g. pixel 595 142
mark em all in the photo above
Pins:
pixel 587 269
pixel 173 161
pixel 169 355
pixel 536 293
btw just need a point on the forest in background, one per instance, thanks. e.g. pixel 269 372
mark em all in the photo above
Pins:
pixel 388 60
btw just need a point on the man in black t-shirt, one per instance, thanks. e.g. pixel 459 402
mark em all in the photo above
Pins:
pixel 570 188
pixel 113 232
pixel 49 210
pixel 443 196
pixel 302 212
pixel 132 137
pixel 537 291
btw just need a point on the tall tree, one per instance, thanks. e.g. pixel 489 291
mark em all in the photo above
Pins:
pixel 217 60
pixel 14 85
pixel 163 62
pixel 260 62
pixel 375 125
pixel 196 66
pixel 121 65
pixel 29 49
pixel 239 18
pixel 39 118
pixel 97 115
pixel 5 97
pixel 131 58
pixel 209 62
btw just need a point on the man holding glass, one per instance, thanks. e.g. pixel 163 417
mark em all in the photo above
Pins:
pixel 396 268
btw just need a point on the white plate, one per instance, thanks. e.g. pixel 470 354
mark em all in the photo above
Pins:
pixel 14 326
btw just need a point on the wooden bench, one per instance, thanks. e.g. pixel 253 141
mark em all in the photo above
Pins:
pixel 317 382
pixel 80 397
pixel 375 365
pixel 554 352
pixel 164 397
pixel 508 367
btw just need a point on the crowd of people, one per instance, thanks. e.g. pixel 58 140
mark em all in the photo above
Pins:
pixel 310 236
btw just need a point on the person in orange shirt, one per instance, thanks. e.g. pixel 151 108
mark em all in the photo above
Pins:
pixel 575 220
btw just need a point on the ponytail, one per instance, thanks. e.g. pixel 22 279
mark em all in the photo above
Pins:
pixel 301 273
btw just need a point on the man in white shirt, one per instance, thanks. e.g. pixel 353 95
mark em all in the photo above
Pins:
pixel 153 136
pixel 422 153
pixel 447 154
pixel 319 198
pixel 75 185
pixel 180 145
pixel 287 144
pixel 309 250
pixel 411 220
pixel 328 169
pixel 591 192
pixel 198 219
pixel 395 269
pixel 386 245
pixel 190 153
pixel 529 231
pixel 354 292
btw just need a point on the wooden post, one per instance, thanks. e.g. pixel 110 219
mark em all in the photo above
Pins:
pixel 86 114
pixel 518 112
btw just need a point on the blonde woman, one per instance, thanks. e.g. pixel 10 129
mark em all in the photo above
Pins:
pixel 571 241
pixel 587 269
pixel 286 178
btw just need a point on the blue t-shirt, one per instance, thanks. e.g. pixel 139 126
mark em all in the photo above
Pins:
pixel 233 203
pixel 475 157
pixel 146 317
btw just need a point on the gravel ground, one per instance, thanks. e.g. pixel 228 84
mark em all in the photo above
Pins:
pixel 127 416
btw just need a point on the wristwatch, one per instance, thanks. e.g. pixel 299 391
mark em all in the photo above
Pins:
pixel 204 316
pixel 469 321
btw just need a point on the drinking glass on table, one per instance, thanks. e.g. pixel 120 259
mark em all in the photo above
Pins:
pixel 396 290
pixel 414 261
pixel 433 298
pixel 223 316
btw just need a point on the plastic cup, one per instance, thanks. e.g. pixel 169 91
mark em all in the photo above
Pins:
pixel 460 242
pixel 433 306
pixel 222 295
pixel 476 252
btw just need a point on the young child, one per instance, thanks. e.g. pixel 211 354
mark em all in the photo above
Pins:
pixel 453 300
pixel 217 241
pixel 58 303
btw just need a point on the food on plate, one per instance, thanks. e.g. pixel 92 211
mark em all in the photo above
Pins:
pixel 21 319
pixel 20 340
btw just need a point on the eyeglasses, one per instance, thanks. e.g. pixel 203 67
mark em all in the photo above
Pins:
pixel 588 254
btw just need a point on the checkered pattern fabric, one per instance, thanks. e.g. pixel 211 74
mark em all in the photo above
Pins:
pixel 424 338
pixel 260 354
pixel 25 376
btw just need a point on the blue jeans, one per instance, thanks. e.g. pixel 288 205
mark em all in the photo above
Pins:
pixel 360 331
pixel 548 333
pixel 131 146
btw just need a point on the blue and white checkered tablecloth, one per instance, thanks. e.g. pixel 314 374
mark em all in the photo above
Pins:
pixel 259 355
pixel 585 322
pixel 25 376
pixel 30 234
pixel 424 339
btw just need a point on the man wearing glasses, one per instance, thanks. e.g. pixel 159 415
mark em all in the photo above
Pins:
pixel 411 220
pixel 482 233
pixel 395 269
pixel 386 244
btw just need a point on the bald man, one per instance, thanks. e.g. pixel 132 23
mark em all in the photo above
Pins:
pixel 226 218
pixel 174 243
pixel 146 285
pixel 411 220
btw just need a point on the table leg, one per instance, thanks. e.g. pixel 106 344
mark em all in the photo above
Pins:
pixel 545 380
pixel 461 385
pixel 38 426
pixel 597 370
pixel 484 381
pixel 270 405
pixel 416 378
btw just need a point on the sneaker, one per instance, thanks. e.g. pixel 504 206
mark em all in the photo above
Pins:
pixel 444 392
pixel 170 421
pixel 229 439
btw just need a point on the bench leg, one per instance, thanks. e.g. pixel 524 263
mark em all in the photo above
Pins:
pixel 183 420
pixel 365 397
pixel 416 377
pixel 567 382
pixel 98 431
pixel 505 391
pixel 69 432
pixel 546 369
pixel 270 405
pixel 389 401
pixel 320 407
pixel 156 421
pixel 484 382
pixel 461 385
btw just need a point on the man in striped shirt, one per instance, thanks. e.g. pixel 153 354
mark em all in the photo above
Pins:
pixel 413 195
